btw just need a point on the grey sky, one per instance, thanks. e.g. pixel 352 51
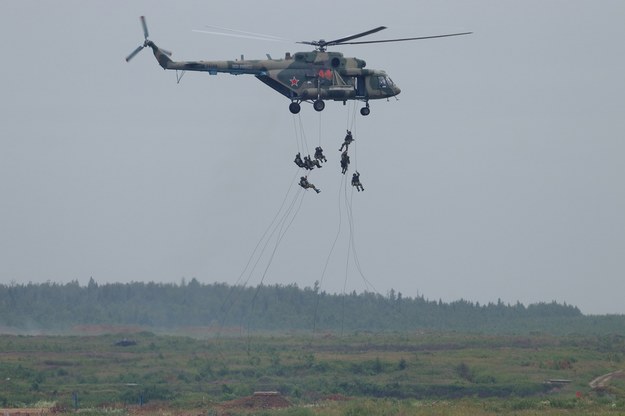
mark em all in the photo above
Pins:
pixel 497 174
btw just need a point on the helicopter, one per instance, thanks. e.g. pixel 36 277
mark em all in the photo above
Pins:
pixel 312 77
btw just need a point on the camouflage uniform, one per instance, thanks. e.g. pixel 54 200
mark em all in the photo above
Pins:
pixel 319 154
pixel 356 181
pixel 303 182
pixel 344 162
pixel 348 140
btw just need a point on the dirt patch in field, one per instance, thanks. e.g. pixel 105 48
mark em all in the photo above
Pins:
pixel 603 381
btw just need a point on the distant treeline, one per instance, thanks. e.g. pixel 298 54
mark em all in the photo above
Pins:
pixel 52 306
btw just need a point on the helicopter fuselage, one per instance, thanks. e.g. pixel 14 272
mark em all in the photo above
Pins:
pixel 313 76
pixel 304 76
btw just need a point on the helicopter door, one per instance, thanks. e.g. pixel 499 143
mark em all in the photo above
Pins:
pixel 361 88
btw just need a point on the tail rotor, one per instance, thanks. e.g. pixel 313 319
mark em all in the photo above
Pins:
pixel 146 42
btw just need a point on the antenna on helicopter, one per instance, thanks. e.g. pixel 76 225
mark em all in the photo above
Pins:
pixel 146 42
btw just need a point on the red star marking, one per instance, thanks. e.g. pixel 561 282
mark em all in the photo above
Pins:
pixel 294 82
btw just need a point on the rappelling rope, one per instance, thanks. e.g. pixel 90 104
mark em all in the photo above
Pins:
pixel 227 303
pixel 349 245
pixel 319 129
pixel 286 220
pixel 297 135
pixel 325 266
pixel 350 217
pixel 352 245
pixel 291 183
pixel 351 249
pixel 302 135
pixel 281 233
pixel 273 226
pixel 350 124
pixel 342 193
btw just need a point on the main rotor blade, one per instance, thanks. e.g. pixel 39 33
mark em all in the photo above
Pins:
pixel 133 53
pixel 359 35
pixel 403 39
pixel 145 27
pixel 243 32
pixel 234 35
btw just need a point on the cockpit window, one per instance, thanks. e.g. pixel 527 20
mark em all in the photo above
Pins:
pixel 384 82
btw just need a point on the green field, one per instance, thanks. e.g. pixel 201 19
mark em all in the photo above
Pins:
pixel 361 373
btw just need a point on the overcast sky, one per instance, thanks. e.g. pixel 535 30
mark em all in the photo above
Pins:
pixel 497 174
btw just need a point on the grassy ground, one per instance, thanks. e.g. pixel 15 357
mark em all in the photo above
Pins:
pixel 358 374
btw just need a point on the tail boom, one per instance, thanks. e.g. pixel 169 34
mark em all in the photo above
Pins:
pixel 212 67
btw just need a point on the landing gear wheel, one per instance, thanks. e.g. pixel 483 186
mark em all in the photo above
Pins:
pixel 294 107
pixel 365 111
pixel 319 105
